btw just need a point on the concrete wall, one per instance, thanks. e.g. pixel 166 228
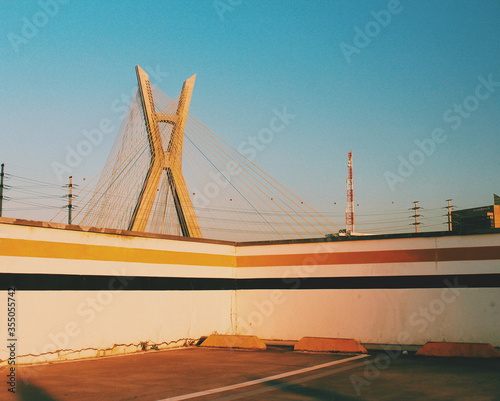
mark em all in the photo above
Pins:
pixel 83 294
pixel 436 292
pixel 63 322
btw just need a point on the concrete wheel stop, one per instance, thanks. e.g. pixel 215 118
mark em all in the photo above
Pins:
pixel 233 341
pixel 467 350
pixel 325 344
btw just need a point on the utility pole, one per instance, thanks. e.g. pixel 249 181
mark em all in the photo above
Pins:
pixel 349 213
pixel 415 209
pixel 2 174
pixel 450 208
pixel 70 199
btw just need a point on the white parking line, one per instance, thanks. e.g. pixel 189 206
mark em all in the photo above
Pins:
pixel 263 380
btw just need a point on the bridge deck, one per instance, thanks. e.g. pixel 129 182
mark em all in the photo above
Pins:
pixel 275 374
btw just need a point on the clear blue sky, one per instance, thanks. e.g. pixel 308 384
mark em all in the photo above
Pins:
pixel 375 92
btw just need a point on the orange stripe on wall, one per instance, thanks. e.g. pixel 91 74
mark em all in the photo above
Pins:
pixel 350 258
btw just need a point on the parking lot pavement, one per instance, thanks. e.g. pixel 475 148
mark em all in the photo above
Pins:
pixel 275 374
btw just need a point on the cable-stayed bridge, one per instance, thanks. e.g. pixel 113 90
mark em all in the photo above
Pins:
pixel 168 173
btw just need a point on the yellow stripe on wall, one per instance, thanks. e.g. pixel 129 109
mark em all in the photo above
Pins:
pixel 61 250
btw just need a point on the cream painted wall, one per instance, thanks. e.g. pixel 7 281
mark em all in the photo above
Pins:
pixel 409 316
pixel 384 316
pixel 65 322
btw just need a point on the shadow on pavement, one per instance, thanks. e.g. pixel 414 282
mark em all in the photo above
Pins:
pixel 310 392
pixel 29 392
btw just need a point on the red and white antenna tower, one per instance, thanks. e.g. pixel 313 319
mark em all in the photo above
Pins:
pixel 349 213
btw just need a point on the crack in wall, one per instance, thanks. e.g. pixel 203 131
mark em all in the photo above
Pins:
pixel 116 349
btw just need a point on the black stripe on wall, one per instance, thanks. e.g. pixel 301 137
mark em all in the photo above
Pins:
pixel 71 282
pixel 66 282
pixel 373 282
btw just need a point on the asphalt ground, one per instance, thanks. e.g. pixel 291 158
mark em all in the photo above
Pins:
pixel 275 374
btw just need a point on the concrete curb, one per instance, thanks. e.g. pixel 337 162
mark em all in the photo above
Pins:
pixel 233 341
pixel 467 350
pixel 324 344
